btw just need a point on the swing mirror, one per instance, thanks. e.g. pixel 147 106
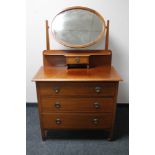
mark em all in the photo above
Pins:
pixel 78 27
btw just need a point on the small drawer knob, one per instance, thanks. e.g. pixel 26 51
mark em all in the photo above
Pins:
pixel 98 89
pixel 95 121
pixel 58 121
pixel 57 105
pixel 97 105
pixel 56 89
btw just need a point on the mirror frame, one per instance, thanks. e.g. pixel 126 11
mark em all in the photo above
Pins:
pixel 83 45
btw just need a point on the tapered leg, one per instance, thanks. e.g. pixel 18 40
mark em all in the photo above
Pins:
pixel 110 136
pixel 43 134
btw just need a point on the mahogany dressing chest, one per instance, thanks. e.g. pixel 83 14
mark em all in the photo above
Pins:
pixel 77 89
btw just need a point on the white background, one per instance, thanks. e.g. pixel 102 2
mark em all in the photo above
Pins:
pixel 40 10
pixel 13 78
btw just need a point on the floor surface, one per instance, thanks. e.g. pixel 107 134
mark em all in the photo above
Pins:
pixel 77 142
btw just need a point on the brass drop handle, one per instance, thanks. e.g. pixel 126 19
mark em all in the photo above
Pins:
pixel 77 60
pixel 95 121
pixel 98 89
pixel 58 121
pixel 97 105
pixel 57 105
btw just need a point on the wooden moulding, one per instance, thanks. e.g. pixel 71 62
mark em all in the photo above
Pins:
pixel 77 52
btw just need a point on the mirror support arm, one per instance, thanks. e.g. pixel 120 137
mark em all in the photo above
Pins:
pixel 47 36
pixel 107 36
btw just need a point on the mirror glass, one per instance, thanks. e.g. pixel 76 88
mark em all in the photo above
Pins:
pixel 78 27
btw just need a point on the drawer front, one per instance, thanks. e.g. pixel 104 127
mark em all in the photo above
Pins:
pixel 77 60
pixel 76 121
pixel 76 89
pixel 77 104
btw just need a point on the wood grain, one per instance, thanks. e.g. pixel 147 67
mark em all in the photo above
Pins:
pixel 77 52
pixel 107 36
pixel 76 121
pixel 99 73
pixel 76 104
pixel 47 36
pixel 77 60
pixel 86 89
pixel 56 58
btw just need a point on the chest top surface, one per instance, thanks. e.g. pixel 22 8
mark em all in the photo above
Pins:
pixel 63 74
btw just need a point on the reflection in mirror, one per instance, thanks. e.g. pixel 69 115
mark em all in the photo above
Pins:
pixel 78 27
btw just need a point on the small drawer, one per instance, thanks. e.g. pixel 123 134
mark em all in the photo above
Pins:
pixel 76 89
pixel 77 60
pixel 77 104
pixel 76 121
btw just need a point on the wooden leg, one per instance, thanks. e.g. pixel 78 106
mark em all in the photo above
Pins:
pixel 110 136
pixel 43 134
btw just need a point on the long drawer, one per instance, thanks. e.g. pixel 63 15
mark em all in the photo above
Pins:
pixel 76 121
pixel 77 89
pixel 49 104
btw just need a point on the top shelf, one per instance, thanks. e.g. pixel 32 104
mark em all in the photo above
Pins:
pixel 77 52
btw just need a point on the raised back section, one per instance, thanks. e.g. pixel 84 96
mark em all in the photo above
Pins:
pixel 56 58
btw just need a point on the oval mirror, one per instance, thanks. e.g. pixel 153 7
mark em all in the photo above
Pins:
pixel 78 27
